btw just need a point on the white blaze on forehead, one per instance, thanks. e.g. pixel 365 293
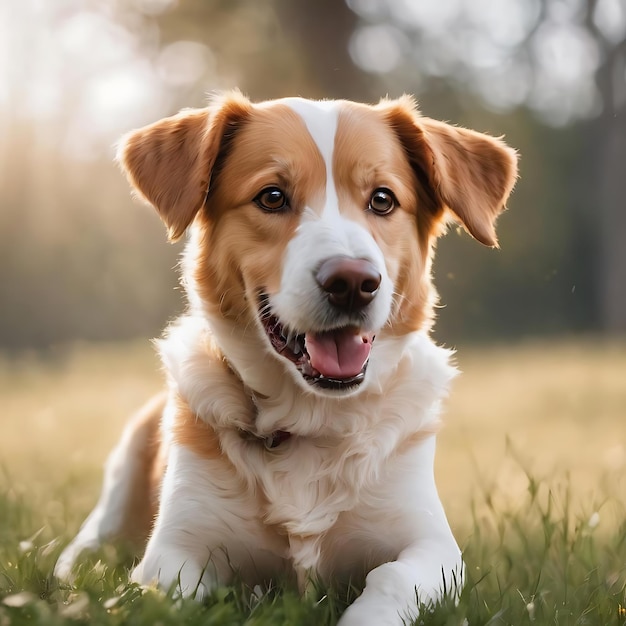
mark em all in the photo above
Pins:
pixel 301 303
pixel 320 117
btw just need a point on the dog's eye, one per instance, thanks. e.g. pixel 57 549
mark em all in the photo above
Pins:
pixel 272 199
pixel 382 201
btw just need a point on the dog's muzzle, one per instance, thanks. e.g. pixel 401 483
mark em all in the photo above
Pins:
pixel 335 357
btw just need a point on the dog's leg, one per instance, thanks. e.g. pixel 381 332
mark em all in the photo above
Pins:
pixel 427 568
pixel 393 592
pixel 208 528
pixel 127 501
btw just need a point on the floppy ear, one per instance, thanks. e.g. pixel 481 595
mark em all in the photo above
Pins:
pixel 169 163
pixel 470 173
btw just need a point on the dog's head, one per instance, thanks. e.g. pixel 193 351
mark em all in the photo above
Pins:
pixel 313 222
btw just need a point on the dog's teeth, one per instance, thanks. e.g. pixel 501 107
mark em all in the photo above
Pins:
pixel 294 345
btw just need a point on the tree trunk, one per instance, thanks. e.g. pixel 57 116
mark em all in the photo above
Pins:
pixel 612 195
pixel 322 29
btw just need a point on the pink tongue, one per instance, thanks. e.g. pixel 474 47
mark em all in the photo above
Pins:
pixel 338 354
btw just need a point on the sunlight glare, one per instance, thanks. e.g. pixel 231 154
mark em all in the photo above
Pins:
pixel 610 17
pixel 89 70
pixel 507 22
pixel 377 48
pixel 184 62
pixel 433 16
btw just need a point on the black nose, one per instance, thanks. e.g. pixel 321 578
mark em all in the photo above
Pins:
pixel 351 284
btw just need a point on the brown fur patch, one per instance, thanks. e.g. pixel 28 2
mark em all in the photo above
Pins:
pixel 195 434
pixel 143 503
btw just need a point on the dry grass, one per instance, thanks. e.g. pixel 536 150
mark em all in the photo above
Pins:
pixel 64 410
pixel 555 408
pixel 62 413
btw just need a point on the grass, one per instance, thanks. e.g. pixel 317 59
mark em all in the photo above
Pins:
pixel 531 468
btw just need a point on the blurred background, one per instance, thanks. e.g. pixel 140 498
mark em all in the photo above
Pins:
pixel 86 274
pixel 80 260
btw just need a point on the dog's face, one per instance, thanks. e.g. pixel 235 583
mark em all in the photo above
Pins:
pixel 314 221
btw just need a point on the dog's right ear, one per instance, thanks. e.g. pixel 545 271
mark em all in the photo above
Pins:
pixel 169 163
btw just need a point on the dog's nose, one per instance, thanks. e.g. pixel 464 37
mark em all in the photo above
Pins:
pixel 351 284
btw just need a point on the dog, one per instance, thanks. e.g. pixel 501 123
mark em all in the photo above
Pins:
pixel 297 433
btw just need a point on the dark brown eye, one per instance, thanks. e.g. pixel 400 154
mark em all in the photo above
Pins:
pixel 382 201
pixel 272 199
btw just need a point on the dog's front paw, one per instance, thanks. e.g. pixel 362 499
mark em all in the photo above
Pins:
pixel 174 571
pixel 65 563
pixel 85 541
pixel 374 614
pixel 389 598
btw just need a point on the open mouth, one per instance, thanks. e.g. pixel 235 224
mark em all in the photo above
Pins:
pixel 332 359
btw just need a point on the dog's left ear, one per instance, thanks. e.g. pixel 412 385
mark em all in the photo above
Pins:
pixel 470 173
pixel 169 163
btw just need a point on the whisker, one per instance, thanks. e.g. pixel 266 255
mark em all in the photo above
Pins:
pixel 265 310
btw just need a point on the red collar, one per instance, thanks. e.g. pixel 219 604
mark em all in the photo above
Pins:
pixel 271 441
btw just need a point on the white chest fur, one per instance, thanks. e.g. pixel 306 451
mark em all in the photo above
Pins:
pixel 350 465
